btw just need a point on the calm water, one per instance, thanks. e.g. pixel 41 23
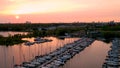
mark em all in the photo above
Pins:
pixel 92 57
pixel 17 54
pixel 7 33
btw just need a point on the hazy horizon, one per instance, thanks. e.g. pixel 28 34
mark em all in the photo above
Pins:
pixel 54 11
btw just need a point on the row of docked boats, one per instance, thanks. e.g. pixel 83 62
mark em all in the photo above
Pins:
pixel 58 57
pixel 113 58
pixel 37 40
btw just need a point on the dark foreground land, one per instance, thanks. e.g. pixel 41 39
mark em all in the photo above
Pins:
pixel 107 30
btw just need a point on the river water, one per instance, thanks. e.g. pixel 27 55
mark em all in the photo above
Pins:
pixel 19 53
pixel 91 57
pixel 7 33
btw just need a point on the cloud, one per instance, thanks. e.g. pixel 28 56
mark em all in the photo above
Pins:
pixel 25 6
pixel 67 8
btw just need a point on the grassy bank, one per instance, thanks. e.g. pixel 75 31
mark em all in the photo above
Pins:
pixel 11 40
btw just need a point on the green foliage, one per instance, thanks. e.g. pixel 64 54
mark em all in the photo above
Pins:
pixel 38 33
pixel 11 40
pixel 111 28
pixel 110 34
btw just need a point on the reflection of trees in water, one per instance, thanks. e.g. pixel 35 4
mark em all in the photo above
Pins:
pixel 5 57
pixel 26 53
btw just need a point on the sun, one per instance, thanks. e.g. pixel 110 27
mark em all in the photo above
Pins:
pixel 17 17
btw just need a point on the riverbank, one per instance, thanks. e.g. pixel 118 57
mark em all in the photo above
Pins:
pixel 11 40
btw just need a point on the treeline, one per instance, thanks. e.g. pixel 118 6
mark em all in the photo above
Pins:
pixel 13 27
pixel 107 31
pixel 111 28
pixel 11 40
pixel 20 27
pixel 111 34
pixel 111 31
pixel 56 32
pixel 16 39
pixel 29 26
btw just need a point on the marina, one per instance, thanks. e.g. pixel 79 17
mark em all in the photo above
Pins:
pixel 96 52
pixel 10 54
pixel 113 58
pixel 62 55
pixel 37 40
pixel 59 56
pixel 59 34
pixel 91 57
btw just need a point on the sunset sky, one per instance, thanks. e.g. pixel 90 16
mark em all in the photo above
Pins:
pixel 19 11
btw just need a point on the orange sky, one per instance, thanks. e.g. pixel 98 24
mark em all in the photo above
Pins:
pixel 59 10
